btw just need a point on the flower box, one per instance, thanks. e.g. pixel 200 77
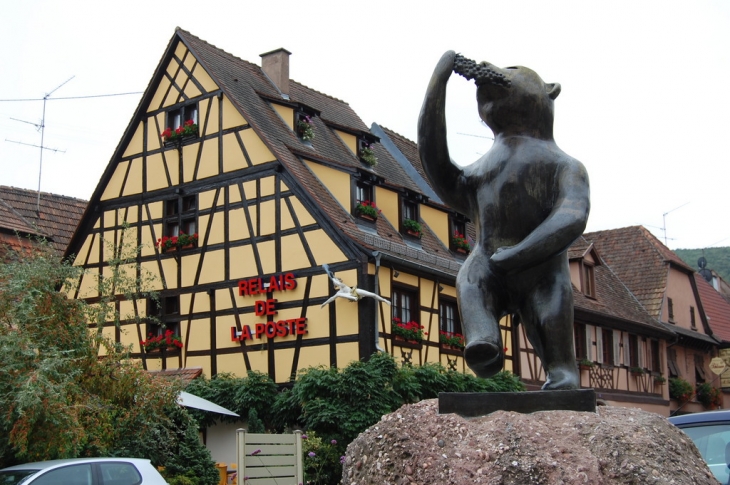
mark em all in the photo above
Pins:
pixel 367 210
pixel 409 332
pixel 460 243
pixel 169 244
pixel 162 343
pixel 187 130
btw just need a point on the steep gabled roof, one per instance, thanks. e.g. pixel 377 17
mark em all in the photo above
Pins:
pixel 640 260
pixel 716 308
pixel 58 217
pixel 613 301
pixel 252 93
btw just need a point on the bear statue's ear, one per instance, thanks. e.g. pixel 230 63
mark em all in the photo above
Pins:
pixel 553 90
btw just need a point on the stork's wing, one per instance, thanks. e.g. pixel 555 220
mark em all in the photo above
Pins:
pixel 340 294
pixel 369 294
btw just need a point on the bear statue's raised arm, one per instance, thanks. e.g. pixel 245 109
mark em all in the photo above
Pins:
pixel 432 145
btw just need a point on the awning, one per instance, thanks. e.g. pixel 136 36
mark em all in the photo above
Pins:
pixel 191 401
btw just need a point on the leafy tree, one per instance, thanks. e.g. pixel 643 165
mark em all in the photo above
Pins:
pixel 59 398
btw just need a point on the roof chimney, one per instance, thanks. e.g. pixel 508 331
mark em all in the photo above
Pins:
pixel 275 65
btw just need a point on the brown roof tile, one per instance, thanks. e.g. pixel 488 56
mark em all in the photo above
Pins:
pixel 716 308
pixel 58 218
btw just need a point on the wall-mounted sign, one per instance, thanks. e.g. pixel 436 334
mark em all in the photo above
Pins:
pixel 267 308
pixel 725 376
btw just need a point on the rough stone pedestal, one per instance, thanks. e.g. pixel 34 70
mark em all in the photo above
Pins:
pixel 473 404
pixel 417 445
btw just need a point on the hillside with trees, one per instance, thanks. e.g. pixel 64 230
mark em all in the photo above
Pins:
pixel 718 259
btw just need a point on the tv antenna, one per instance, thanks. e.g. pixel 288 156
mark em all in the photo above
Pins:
pixel 664 221
pixel 42 128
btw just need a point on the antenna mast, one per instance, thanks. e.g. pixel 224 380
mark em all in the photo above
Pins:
pixel 664 220
pixel 43 130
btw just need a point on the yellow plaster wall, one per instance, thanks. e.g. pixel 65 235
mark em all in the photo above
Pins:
pixel 211 120
pixel 233 158
pixel 347 353
pixel 191 90
pixel 303 215
pixel 231 117
pixel 336 181
pixel 237 227
pixel 189 267
pixel 156 177
pixel 323 248
pixel 87 288
pixel 190 156
pixel 267 250
pixel 133 185
pixel 268 219
pixel 438 222
pixel 287 222
pixel 154 140
pixel 204 79
pixel 130 215
pixel 199 334
pixel 169 272
pixel 241 262
pixel 293 255
pixel 212 265
pixel 217 230
pixel 349 140
pixel 114 186
pixel 257 151
pixel 407 279
pixel 136 143
pixel 209 159
pixel 286 113
pixel 267 186
pixel 387 201
pixel 83 252
pixel 159 94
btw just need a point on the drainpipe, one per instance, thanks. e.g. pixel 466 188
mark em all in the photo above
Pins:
pixel 376 289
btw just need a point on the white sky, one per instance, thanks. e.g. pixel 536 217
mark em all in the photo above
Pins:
pixel 645 99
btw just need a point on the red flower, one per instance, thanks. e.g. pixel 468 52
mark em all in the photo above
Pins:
pixel 167 133
pixel 189 123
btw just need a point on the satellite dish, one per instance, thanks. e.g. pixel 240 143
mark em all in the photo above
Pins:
pixel 702 262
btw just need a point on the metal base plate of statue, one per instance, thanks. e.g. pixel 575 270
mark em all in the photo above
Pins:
pixel 529 201
pixel 473 404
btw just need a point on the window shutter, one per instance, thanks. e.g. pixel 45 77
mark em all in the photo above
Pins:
pixel 589 342
pixel 627 350
pixel 616 347
pixel 599 345
pixel 642 348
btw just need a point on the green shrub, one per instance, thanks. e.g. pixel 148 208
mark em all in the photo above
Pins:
pixel 710 397
pixel 680 389
pixel 322 459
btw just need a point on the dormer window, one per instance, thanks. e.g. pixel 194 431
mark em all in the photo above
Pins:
pixel 365 152
pixel 459 242
pixel 588 280
pixel 364 202
pixel 409 218
pixel 305 126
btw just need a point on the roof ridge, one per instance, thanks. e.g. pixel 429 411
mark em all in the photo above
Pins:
pixel 385 128
pixel 318 92
pixel 34 192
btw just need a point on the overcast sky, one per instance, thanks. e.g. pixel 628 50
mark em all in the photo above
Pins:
pixel 645 101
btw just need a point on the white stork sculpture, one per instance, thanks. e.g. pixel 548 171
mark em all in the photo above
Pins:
pixel 349 293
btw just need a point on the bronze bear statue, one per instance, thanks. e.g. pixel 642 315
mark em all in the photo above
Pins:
pixel 529 201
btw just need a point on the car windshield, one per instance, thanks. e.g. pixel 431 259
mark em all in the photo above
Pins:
pixel 15 477
pixel 712 441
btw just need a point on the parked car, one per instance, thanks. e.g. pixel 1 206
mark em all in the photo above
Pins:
pixel 83 471
pixel 710 432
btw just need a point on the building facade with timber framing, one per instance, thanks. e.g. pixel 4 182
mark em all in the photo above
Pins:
pixel 270 207
pixel 278 183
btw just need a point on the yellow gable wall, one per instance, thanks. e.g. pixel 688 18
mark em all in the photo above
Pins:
pixel 387 201
pixel 349 140
pixel 336 181
pixel 438 222
pixel 286 113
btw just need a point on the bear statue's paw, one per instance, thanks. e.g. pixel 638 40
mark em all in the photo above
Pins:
pixel 484 358
pixel 562 379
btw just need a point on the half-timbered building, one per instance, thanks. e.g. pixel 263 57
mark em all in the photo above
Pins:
pixel 244 187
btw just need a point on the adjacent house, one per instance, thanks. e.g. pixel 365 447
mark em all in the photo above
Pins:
pixel 27 214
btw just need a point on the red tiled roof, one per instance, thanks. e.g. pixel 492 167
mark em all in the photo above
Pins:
pixel 613 299
pixel 59 214
pixel 639 260
pixel 716 308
